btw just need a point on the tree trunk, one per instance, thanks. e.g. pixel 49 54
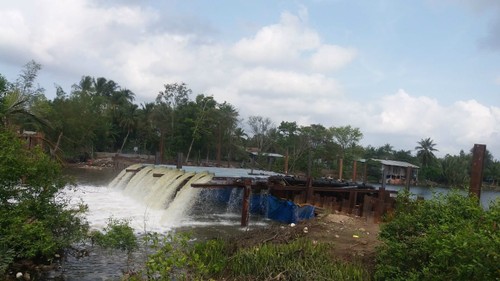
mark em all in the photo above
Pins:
pixel 124 141
pixel 162 150
pixel 56 147
pixel 189 151
pixel 219 145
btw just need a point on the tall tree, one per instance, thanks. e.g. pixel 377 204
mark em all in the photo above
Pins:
pixel 16 99
pixel 260 127
pixel 128 121
pixel 227 122
pixel 346 137
pixel 169 100
pixel 425 151
pixel 26 81
pixel 203 107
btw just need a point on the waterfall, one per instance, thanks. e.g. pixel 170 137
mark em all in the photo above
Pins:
pixel 137 184
pixel 124 176
pixel 234 203
pixel 185 199
pixel 162 188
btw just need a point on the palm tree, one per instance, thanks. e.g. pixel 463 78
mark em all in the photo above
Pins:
pixel 13 105
pixel 425 151
pixel 128 120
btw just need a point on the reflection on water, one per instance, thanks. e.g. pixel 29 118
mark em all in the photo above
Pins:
pixel 91 176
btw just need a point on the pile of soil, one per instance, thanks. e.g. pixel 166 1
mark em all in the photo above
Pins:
pixel 354 239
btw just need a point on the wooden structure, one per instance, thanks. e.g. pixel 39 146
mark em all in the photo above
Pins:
pixel 359 200
pixel 398 172
pixel 32 138
pixel 478 157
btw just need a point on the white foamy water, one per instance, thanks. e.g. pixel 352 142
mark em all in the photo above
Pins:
pixel 104 203
pixel 156 199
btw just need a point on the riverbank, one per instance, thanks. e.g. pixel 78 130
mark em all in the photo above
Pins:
pixel 354 239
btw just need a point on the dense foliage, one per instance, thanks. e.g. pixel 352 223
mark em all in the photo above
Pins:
pixel 33 223
pixel 450 237
pixel 99 115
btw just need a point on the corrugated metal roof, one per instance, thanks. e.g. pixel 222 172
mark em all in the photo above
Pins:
pixel 395 163
pixel 267 154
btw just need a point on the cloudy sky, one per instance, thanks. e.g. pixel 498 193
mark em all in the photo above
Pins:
pixel 401 71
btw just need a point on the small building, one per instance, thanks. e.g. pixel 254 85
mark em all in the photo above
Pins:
pixel 255 156
pixel 32 138
pixel 396 172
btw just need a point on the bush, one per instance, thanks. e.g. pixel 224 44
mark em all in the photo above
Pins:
pixel 176 257
pixel 449 237
pixel 117 235
pixel 300 259
pixel 33 224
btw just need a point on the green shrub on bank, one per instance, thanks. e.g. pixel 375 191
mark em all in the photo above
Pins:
pixel 300 259
pixel 33 224
pixel 176 258
pixel 450 237
pixel 117 234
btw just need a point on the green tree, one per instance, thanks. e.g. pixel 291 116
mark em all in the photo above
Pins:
pixel 200 121
pixel 456 169
pixel 449 237
pixel 146 129
pixel 170 100
pixel 128 117
pixel 346 137
pixel 227 121
pixel 33 225
pixel 425 151
pixel 259 128
pixel 16 99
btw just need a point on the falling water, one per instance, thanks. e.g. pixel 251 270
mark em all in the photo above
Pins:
pixel 234 200
pixel 162 188
pixel 124 177
pixel 185 199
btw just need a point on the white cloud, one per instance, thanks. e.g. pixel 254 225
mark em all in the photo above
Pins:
pixel 330 57
pixel 407 119
pixel 283 71
pixel 278 43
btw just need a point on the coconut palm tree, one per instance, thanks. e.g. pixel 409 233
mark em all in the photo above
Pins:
pixel 425 151
pixel 14 105
pixel 128 120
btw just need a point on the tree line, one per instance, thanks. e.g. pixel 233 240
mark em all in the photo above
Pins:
pixel 99 115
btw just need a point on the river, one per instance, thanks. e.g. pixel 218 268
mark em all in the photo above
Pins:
pixel 208 220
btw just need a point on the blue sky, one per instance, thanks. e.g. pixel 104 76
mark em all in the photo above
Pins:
pixel 401 71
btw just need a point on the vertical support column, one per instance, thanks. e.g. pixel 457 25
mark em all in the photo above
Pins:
pixel 180 157
pixel 246 202
pixel 384 177
pixel 408 178
pixel 354 170
pixel 478 155
pixel 364 171
pixel 341 167
pixel 380 204
pixel 286 162
pixel 352 200
pixel 309 192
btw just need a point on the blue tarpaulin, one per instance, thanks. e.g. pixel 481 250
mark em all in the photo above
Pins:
pixel 286 211
pixel 265 205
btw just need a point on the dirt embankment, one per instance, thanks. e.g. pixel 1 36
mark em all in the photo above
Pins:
pixel 353 238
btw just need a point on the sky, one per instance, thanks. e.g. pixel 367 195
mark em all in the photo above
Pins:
pixel 400 71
